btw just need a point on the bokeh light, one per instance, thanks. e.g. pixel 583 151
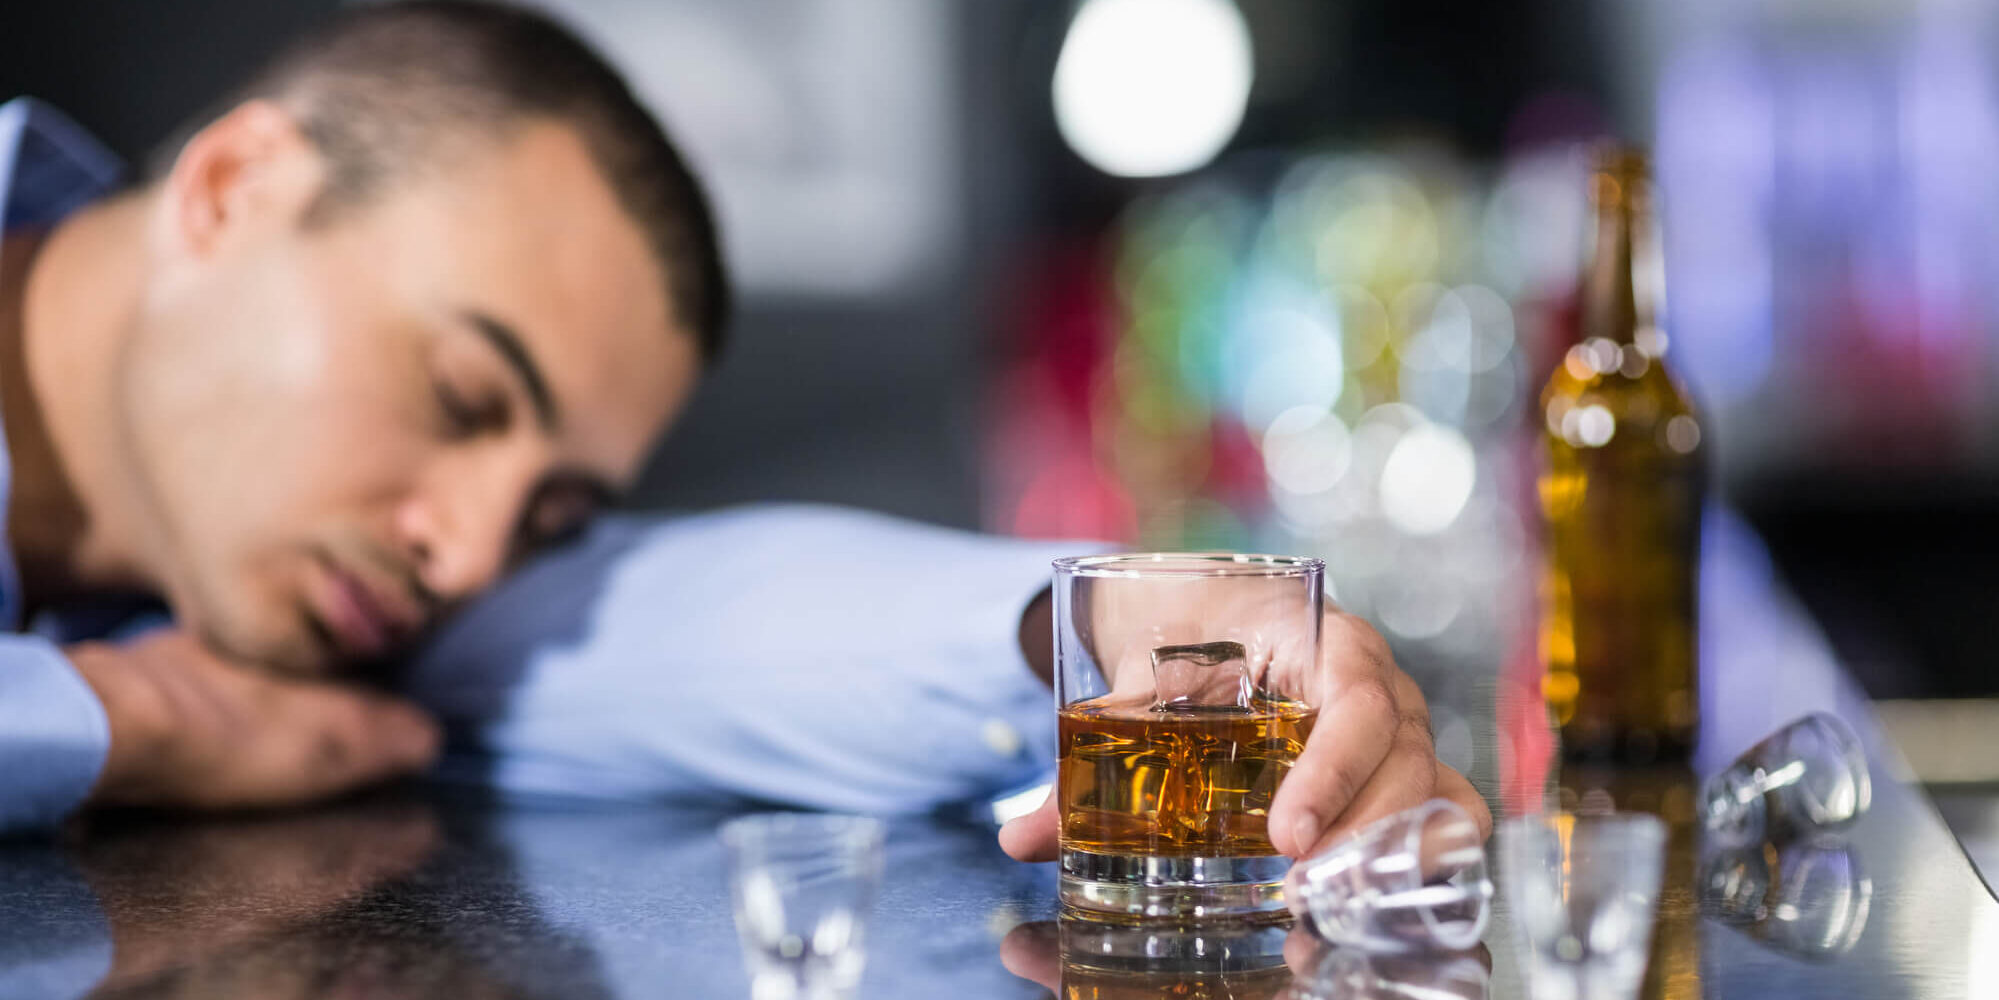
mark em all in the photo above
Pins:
pixel 1145 88
pixel 1427 479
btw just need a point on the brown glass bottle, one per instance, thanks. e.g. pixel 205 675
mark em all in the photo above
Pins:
pixel 1621 501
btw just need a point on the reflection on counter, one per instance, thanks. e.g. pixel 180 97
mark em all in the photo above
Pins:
pixel 1673 970
pixel 1583 890
pixel 1808 900
pixel 288 905
pixel 1346 974
pixel 1082 959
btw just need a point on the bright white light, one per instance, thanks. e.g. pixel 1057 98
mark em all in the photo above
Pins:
pixel 1306 450
pixel 1428 479
pixel 1145 88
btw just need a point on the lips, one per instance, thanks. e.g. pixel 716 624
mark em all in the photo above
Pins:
pixel 364 621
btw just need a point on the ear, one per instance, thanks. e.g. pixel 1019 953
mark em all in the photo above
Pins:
pixel 245 172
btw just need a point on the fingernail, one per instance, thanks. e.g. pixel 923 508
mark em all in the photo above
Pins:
pixel 1305 830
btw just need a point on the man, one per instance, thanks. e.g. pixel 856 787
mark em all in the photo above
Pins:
pixel 408 310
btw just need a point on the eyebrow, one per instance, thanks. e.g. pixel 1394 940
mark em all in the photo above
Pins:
pixel 507 341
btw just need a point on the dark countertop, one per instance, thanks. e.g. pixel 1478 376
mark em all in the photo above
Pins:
pixel 428 892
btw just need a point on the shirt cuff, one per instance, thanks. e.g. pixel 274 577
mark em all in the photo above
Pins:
pixel 57 735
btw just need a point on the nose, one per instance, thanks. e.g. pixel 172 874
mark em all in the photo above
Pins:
pixel 457 526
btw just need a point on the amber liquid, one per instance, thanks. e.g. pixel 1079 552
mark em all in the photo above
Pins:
pixel 1619 611
pixel 1186 782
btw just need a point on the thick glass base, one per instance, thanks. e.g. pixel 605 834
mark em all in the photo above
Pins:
pixel 1163 888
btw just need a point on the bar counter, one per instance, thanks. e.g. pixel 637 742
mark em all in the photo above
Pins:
pixel 437 892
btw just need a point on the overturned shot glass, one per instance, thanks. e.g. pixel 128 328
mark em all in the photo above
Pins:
pixel 1414 881
pixel 1807 778
pixel 803 884
pixel 1582 892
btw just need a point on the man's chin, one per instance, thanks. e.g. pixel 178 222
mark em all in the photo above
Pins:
pixel 290 656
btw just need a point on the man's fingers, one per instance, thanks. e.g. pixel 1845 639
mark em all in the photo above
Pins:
pixel 1456 787
pixel 1351 738
pixel 1033 837
pixel 190 728
pixel 320 739
pixel 1351 650
pixel 1407 777
pixel 1302 951
pixel 1033 951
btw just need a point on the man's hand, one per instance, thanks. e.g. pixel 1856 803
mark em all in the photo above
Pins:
pixel 189 728
pixel 1369 756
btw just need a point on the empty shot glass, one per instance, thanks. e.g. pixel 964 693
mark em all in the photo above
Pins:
pixel 802 885
pixel 1184 690
pixel 1582 891
pixel 1414 881
pixel 1807 778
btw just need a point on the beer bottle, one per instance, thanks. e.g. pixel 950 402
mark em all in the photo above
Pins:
pixel 1620 496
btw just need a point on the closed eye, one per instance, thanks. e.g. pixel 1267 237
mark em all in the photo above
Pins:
pixel 559 511
pixel 464 415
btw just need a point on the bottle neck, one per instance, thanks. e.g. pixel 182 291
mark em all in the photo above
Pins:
pixel 1621 289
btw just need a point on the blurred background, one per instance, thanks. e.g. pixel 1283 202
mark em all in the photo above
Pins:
pixel 1289 274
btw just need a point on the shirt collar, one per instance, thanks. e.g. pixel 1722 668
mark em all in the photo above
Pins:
pixel 49 167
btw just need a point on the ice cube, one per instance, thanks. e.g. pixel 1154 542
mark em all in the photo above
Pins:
pixel 1201 676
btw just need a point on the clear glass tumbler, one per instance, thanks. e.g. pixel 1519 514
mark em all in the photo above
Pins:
pixel 1583 891
pixel 803 884
pixel 1185 690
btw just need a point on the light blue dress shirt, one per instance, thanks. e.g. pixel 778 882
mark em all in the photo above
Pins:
pixel 53 735
pixel 804 655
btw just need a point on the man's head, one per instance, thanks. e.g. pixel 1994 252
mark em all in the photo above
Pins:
pixel 422 296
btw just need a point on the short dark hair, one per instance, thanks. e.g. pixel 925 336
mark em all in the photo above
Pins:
pixel 379 87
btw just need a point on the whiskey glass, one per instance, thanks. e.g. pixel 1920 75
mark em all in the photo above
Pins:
pixel 1185 687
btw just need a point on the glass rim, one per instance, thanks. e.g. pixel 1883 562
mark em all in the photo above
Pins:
pixel 1419 819
pixel 1169 565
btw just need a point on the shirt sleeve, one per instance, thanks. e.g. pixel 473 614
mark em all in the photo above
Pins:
pixel 804 655
pixel 53 734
